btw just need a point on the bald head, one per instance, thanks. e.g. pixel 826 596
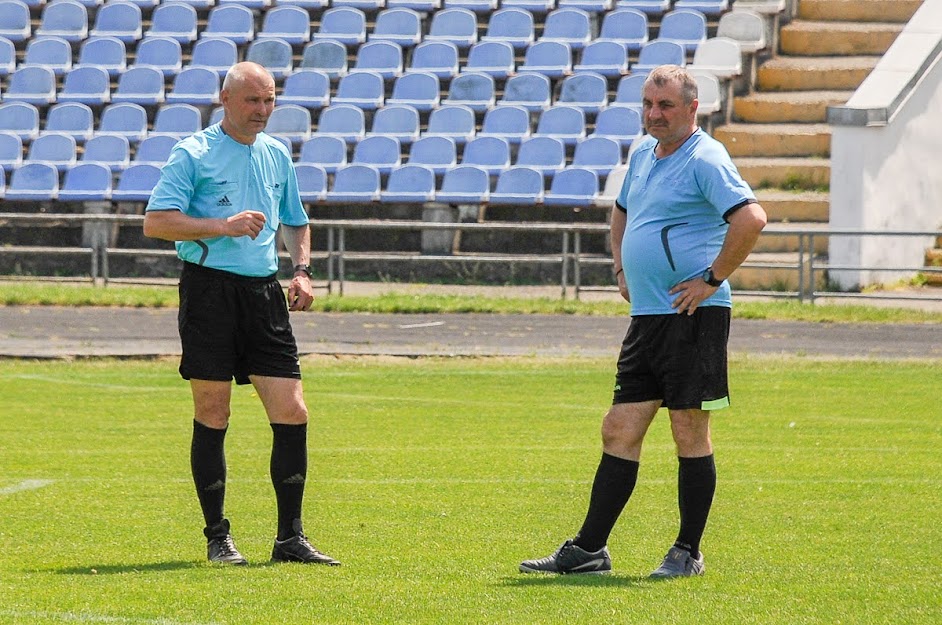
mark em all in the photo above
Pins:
pixel 245 73
pixel 248 99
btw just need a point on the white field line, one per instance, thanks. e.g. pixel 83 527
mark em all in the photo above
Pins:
pixel 85 617
pixel 24 485
pixel 428 324
pixel 80 382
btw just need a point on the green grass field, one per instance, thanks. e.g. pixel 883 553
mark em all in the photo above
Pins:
pixel 431 479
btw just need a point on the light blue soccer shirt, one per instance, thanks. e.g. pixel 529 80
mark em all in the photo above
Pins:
pixel 676 227
pixel 209 174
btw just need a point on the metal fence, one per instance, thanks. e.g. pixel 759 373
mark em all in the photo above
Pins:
pixel 809 270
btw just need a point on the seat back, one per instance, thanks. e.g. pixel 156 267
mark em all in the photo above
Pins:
pixel 551 58
pixel 273 54
pixel 490 153
pixel 176 20
pixel 312 181
pixel 545 154
pixel 684 26
pixel 216 53
pixel 398 119
pixel 291 23
pixel 568 25
pixel 342 119
pixel 324 151
pixel 327 56
pixel 109 53
pixel 52 52
pixel 118 19
pixel 436 152
pixel 357 178
pixel 178 119
pixel 127 119
pixel 163 53
pixel 34 181
pixel 72 118
pixel 628 26
pixel 379 151
pixel 411 179
pixel 383 57
pixel 459 26
pixel 111 150
pixel 19 118
pixel 661 52
pixel 437 57
pixel 746 27
pixel 230 20
pixel 587 90
pixel 475 90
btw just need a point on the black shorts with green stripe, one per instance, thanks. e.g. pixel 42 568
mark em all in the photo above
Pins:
pixel 677 358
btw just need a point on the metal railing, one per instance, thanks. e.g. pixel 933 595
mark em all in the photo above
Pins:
pixel 808 269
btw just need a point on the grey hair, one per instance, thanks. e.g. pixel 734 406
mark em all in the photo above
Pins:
pixel 665 74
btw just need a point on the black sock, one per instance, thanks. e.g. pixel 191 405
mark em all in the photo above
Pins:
pixel 288 473
pixel 696 483
pixel 614 480
pixel 208 465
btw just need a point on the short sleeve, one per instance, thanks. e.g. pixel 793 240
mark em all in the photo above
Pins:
pixel 175 188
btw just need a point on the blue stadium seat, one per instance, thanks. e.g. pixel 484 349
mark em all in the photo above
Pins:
pixel 214 54
pixel 379 151
pixel 155 150
pixel 197 86
pixel 342 120
pixel 200 5
pixel 275 55
pixel 628 92
pixel 495 58
pixel 453 121
pixel 88 84
pixel 121 20
pixel 73 118
pixel 327 56
pixel 108 53
pixel 145 4
pixel 422 6
pixel 161 53
pixel 566 123
pixel 20 119
pixel 52 52
pixel 531 91
pixel 314 5
pixel 254 5
pixel 7 57
pixel 475 6
pixel 474 90
pixel 621 123
pixel 176 20
pixel 608 58
pixel 710 8
pixel 458 26
pixel 518 185
pixel 659 52
pixel 435 152
pixel 215 116
pixel 291 122
pixel 420 90
pixel 365 90
pixel 346 25
pixel 628 27
pixel 570 26
pixel 33 85
pixel 399 121
pixel 309 88
pixel 355 183
pixel 464 184
pixel 552 59
pixel 370 6
pixel 312 182
pixel 111 151
pixel 177 120
pixel 33 182
pixel 435 57
pixel 492 154
pixel 510 122
pixel 381 57
pixel 401 26
pixel 589 6
pixel 231 21
pixel 125 119
pixel 14 21
pixel 136 183
pixel 327 152
pixel 588 91
pixel 409 183
pixel 64 18
pixel 573 186
pixel 648 7
pixel 540 7
pixel 11 151
pixel 598 154
pixel 86 182
pixel 511 25
pixel 288 23
pixel 547 155
pixel 56 149
pixel 141 84
pixel 686 27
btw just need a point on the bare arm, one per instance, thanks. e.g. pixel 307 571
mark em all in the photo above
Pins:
pixel 298 243
pixel 619 222
pixel 173 225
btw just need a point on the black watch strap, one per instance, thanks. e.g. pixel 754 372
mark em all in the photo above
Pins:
pixel 710 279
pixel 305 268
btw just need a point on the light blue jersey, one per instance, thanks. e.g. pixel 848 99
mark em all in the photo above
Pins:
pixel 676 227
pixel 210 175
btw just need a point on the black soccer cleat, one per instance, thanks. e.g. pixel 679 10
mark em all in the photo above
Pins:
pixel 299 549
pixel 220 547
pixel 571 559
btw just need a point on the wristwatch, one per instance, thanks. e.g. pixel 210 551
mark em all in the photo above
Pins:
pixel 305 268
pixel 710 279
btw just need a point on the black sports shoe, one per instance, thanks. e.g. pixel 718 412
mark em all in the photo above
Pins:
pixel 679 563
pixel 220 547
pixel 299 549
pixel 570 559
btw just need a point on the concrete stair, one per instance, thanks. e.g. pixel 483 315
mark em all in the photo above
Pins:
pixel 779 137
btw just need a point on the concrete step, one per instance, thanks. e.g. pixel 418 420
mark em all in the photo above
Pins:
pixel 788 106
pixel 795 206
pixel 773 243
pixel 837 38
pixel 779 272
pixel 812 73
pixel 899 11
pixel 813 173
pixel 775 139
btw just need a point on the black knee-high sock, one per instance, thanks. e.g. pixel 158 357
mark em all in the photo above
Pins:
pixel 696 484
pixel 208 464
pixel 288 474
pixel 614 481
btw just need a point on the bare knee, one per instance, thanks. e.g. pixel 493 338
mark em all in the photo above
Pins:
pixel 691 432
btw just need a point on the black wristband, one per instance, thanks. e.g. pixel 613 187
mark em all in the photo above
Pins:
pixel 306 269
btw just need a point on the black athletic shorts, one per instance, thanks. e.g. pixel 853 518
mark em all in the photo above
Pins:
pixel 678 358
pixel 234 326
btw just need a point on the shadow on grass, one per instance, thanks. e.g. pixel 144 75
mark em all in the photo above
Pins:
pixel 622 581
pixel 151 567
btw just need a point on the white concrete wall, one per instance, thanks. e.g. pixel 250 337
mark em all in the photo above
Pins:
pixel 886 157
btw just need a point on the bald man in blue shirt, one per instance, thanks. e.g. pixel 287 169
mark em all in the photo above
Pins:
pixel 682 224
pixel 222 197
